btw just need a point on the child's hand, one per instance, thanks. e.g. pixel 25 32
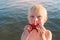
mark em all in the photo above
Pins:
pixel 41 29
pixel 28 27
pixel 44 33
pixel 26 32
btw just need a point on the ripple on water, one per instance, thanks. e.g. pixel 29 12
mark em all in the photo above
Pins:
pixel 13 14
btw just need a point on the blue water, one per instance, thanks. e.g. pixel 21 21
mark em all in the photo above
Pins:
pixel 13 17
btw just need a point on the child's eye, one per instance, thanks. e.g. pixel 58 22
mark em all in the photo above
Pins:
pixel 38 16
pixel 32 16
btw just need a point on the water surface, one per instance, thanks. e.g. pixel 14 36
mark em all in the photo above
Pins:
pixel 13 17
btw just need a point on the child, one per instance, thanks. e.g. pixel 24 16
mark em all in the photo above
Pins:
pixel 35 30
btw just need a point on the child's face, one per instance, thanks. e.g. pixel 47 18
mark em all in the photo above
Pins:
pixel 37 18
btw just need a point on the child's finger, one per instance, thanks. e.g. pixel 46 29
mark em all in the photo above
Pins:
pixel 42 27
pixel 28 27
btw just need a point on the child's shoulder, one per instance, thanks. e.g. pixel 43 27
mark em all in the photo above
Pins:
pixel 48 33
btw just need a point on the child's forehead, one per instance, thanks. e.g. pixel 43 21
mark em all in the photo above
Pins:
pixel 40 12
pixel 36 14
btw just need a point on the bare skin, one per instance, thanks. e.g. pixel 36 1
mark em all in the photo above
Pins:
pixel 38 14
pixel 43 33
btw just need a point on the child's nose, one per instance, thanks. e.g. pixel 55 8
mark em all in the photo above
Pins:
pixel 35 20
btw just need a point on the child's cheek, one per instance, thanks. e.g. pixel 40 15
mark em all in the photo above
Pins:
pixel 41 22
pixel 31 21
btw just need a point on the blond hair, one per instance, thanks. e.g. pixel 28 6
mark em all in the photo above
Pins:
pixel 37 9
